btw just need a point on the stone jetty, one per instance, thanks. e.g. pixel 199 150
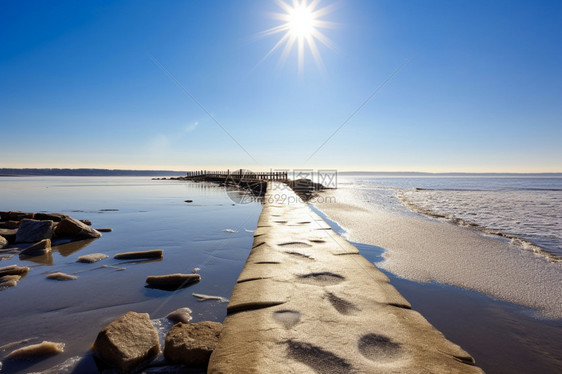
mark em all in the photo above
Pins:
pixel 308 302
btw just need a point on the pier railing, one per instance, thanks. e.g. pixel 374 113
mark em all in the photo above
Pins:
pixel 240 174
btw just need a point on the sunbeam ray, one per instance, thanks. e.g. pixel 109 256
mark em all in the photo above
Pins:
pixel 301 25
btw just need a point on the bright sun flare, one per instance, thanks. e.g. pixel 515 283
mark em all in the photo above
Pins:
pixel 301 24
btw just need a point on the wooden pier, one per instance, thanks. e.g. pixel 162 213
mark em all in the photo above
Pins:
pixel 256 182
pixel 239 175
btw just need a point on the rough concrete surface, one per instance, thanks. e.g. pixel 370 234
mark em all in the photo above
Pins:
pixel 308 302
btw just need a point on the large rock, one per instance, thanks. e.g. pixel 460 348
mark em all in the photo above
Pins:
pixel 38 249
pixel 192 343
pixel 31 230
pixel 55 217
pixel 70 227
pixel 128 342
pixel 14 270
pixel 3 242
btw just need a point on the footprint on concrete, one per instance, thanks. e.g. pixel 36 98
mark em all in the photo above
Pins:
pixel 318 241
pixel 324 277
pixel 295 244
pixel 341 305
pixel 304 222
pixel 317 359
pixel 267 262
pixel 379 348
pixel 300 255
pixel 288 318
pixel 280 221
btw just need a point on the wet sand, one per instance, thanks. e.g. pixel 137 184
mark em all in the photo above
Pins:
pixel 502 336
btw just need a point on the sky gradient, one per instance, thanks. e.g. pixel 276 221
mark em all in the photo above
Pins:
pixel 108 85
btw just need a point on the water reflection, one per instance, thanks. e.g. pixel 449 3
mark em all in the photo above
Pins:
pixel 46 259
pixel 67 249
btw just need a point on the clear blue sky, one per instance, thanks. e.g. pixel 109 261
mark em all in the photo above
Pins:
pixel 481 91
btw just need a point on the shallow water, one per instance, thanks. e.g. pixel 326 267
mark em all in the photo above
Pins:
pixel 143 214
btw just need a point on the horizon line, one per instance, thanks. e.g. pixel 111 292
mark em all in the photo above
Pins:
pixel 394 172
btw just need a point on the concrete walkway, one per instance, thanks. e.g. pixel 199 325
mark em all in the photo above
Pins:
pixel 308 302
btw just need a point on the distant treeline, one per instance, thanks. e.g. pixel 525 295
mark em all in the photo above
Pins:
pixel 88 172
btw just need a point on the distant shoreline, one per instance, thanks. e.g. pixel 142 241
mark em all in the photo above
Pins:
pixel 12 172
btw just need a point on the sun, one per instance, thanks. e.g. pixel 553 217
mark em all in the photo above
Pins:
pixel 301 22
pixel 301 26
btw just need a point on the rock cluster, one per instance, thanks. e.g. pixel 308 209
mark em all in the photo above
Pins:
pixel 31 235
pixel 22 227
pixel 130 342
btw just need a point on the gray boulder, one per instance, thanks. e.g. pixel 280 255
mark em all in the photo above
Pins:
pixel 72 228
pixel 31 230
pixel 128 342
pixel 192 343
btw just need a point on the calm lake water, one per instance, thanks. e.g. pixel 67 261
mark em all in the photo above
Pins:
pixel 143 214
pixel 214 234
